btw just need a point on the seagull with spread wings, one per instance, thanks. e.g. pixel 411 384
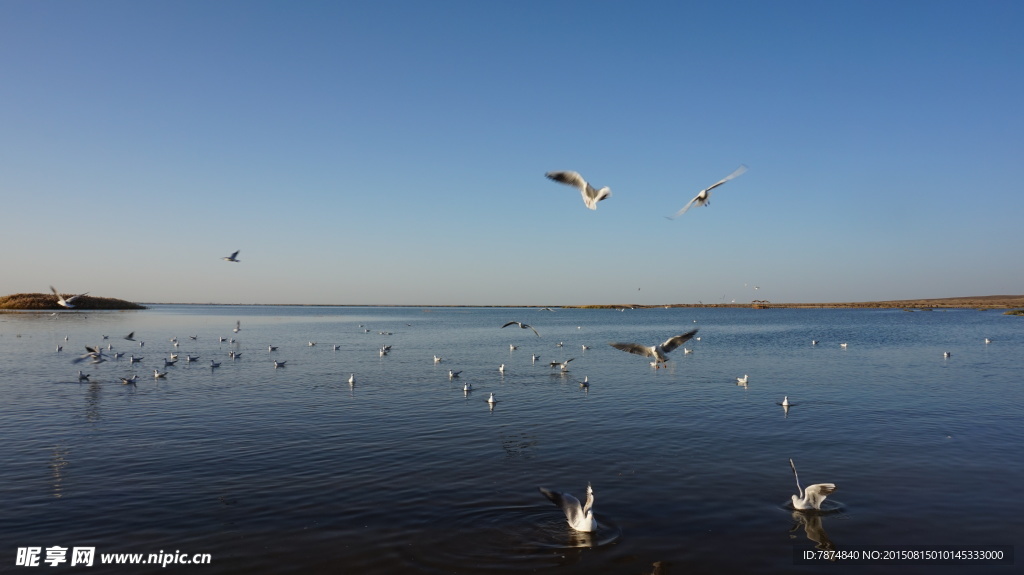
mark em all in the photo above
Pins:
pixel 580 517
pixel 232 258
pixel 66 302
pixel 813 495
pixel 658 352
pixel 704 197
pixel 521 325
pixel 590 195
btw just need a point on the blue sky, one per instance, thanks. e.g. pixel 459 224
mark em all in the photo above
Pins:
pixel 394 152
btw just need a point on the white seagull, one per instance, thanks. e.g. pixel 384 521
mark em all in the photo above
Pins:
pixel 813 496
pixel 453 374
pixel 352 379
pixel 279 363
pixel 522 326
pixel 580 518
pixel 238 326
pixel 157 374
pixel 69 302
pixel 491 399
pixel 232 258
pixel 742 380
pixel 785 401
pixel 437 359
pixel 658 352
pixel 703 198
pixel 590 195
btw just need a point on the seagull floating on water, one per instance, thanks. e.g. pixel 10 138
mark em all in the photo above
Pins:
pixel 238 326
pixel 842 345
pixel 521 325
pixel 590 195
pixel 512 347
pixel 83 376
pixel 467 387
pixel 129 380
pixel 785 401
pixel 813 496
pixel 133 359
pixel 66 302
pixel 491 399
pixel 946 354
pixel 232 258
pixel 214 364
pixel 703 198
pixel 742 380
pixel 658 352
pixel 157 374
pixel 453 374
pixel 580 518
pixel 437 359
pixel 279 363
pixel 352 379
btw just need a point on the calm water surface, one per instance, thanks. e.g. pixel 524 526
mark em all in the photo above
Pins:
pixel 291 470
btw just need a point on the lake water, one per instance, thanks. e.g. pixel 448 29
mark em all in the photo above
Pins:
pixel 292 470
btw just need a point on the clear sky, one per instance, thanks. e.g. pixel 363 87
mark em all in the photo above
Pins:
pixel 393 152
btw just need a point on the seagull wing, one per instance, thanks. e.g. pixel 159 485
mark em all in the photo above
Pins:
pixel 573 179
pixel 526 325
pixel 569 504
pixel 634 348
pixel 815 494
pixel 738 172
pixel 686 207
pixel 674 342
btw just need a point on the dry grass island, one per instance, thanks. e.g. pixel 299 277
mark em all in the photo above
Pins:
pixel 48 301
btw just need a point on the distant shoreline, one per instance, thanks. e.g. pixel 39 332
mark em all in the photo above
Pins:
pixel 976 302
pixel 42 303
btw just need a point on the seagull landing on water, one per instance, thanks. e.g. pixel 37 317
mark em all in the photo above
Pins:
pixel 658 352
pixel 232 258
pixel 703 198
pixel 521 325
pixel 580 518
pixel 813 496
pixel 564 365
pixel 590 195
pixel 68 302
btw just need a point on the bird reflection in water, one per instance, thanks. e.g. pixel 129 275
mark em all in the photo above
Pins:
pixel 811 522
pixel 58 461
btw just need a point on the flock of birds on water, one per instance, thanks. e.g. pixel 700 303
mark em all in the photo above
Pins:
pixel 579 516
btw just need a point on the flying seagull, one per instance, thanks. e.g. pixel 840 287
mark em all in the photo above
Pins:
pixel 704 197
pixel 580 518
pixel 232 258
pixel 521 325
pixel 658 352
pixel 812 497
pixel 69 302
pixel 590 195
